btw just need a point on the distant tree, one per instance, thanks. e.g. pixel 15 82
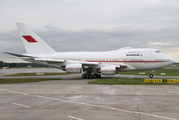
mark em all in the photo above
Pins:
pixel 1 63
pixel 19 64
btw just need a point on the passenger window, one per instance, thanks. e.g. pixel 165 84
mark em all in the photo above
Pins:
pixel 158 52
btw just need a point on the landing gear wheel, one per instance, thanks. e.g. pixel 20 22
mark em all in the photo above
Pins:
pixel 92 76
pixel 96 76
pixel 83 76
pixel 99 76
pixel 151 75
pixel 88 76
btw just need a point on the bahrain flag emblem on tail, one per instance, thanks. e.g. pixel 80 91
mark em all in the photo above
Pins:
pixel 29 38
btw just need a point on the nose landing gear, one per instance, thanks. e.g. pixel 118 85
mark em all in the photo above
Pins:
pixel 151 74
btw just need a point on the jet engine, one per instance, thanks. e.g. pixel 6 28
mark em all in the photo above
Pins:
pixel 74 68
pixel 108 70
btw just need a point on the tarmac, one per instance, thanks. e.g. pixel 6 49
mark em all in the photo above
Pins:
pixel 71 98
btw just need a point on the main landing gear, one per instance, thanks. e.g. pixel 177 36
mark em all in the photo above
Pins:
pixel 91 76
pixel 151 74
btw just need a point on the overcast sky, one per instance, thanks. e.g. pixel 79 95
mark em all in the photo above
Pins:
pixel 92 25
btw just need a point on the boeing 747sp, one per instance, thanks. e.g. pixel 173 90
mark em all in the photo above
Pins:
pixel 91 64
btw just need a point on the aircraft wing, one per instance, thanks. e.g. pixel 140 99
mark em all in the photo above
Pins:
pixel 50 61
pixel 70 63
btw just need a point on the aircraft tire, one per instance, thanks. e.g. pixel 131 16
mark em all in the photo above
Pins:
pixel 88 76
pixel 99 76
pixel 83 76
pixel 151 75
pixel 95 76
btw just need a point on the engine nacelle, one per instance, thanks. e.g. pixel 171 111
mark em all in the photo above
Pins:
pixel 74 68
pixel 108 70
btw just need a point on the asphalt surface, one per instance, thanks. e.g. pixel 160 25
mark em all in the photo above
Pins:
pixel 71 98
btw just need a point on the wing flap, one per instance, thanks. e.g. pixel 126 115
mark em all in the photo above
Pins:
pixel 90 63
pixel 49 61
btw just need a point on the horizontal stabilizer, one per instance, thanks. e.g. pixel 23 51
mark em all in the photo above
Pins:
pixel 17 55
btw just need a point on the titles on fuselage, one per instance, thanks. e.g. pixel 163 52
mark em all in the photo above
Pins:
pixel 132 54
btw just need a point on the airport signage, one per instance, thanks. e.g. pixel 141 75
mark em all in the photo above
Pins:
pixel 153 80
pixel 161 80
pixel 170 80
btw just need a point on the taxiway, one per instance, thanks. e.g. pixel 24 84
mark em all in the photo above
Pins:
pixel 73 99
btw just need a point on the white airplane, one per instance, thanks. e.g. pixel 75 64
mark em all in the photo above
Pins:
pixel 91 64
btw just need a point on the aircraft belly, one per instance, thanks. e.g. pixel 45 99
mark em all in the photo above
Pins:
pixel 146 65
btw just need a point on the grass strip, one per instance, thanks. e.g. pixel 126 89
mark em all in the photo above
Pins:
pixel 125 81
pixel 35 74
pixel 24 80
pixel 168 72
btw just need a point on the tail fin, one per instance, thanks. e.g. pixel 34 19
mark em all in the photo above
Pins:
pixel 32 42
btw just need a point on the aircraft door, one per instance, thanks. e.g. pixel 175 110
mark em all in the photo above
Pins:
pixel 125 59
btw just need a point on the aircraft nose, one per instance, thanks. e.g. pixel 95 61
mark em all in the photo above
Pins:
pixel 172 61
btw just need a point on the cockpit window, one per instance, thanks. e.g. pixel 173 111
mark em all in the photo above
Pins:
pixel 158 52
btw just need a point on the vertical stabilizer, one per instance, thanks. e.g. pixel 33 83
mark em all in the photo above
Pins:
pixel 32 42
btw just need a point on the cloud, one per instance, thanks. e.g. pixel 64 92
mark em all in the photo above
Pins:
pixel 160 43
pixel 98 14
pixel 68 25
